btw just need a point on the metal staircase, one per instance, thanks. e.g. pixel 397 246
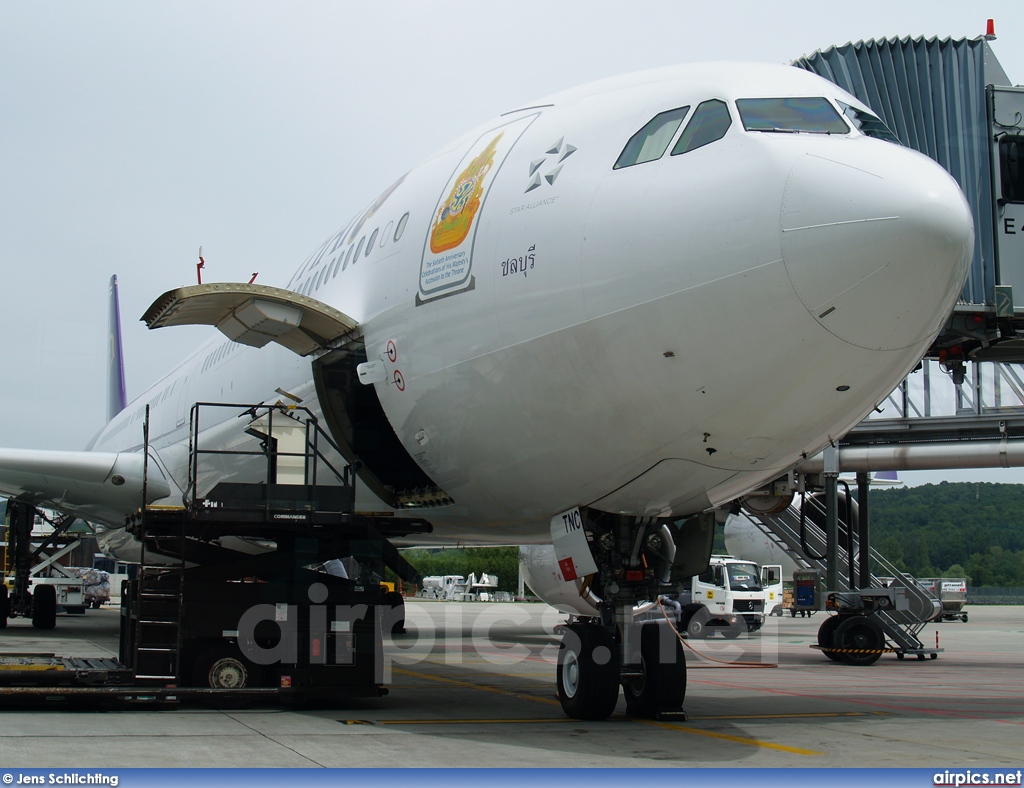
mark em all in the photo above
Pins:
pixel 801 535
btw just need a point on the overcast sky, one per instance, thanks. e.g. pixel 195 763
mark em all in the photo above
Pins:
pixel 133 133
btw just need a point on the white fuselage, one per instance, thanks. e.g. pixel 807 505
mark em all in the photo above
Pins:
pixel 650 340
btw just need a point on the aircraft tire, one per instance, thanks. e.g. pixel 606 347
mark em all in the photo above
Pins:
pixel 860 632
pixel 588 672
pixel 825 636
pixel 44 607
pixel 663 686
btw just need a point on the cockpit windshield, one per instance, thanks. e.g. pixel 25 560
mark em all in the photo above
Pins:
pixel 743 577
pixel 869 125
pixel 813 115
pixel 651 142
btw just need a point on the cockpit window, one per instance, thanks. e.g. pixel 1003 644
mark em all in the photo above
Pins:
pixel 709 123
pixel 868 124
pixel 652 140
pixel 814 115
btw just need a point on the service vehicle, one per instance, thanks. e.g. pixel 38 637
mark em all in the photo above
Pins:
pixel 730 597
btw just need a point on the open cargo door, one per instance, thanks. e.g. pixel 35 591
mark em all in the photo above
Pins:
pixel 253 315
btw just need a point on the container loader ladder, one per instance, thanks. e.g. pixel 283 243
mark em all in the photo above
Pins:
pixel 151 640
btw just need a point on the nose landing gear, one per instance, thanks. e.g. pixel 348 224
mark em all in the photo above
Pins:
pixel 637 560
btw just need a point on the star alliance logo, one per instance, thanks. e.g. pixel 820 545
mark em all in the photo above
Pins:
pixel 562 151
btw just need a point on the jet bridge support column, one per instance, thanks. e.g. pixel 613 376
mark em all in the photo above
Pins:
pixel 832 516
pixel 863 530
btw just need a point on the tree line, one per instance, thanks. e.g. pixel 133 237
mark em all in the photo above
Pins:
pixel 500 561
pixel 953 529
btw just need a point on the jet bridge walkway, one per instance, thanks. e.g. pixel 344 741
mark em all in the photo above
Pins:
pixel 901 613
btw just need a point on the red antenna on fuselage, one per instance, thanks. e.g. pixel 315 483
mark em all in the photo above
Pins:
pixel 200 266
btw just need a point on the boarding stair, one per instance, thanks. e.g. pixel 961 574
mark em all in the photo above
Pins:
pixel 799 530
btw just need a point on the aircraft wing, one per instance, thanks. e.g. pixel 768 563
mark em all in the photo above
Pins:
pixel 97 486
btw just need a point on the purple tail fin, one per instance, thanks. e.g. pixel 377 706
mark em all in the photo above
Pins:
pixel 116 398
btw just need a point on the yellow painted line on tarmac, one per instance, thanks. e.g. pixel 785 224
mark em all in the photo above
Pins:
pixel 536 720
pixel 471 685
pixel 477 673
pixel 672 726
pixel 794 715
pixel 665 725
pixel 476 722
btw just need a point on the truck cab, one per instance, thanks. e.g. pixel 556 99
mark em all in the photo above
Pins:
pixel 728 597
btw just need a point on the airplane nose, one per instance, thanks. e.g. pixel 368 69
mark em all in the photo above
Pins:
pixel 877 240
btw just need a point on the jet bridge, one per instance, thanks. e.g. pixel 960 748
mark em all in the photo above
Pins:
pixel 951 100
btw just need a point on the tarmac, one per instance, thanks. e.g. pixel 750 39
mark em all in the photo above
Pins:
pixel 472 684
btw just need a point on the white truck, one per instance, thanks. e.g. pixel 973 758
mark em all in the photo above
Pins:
pixel 456 588
pixel 730 597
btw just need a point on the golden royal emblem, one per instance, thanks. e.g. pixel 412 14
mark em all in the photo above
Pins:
pixel 455 217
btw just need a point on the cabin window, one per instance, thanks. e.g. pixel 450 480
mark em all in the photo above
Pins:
pixel 369 245
pixel 868 124
pixel 401 225
pixel 653 139
pixel 813 115
pixel 708 124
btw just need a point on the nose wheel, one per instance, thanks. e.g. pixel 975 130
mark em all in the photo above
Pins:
pixel 588 672
pixel 661 686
